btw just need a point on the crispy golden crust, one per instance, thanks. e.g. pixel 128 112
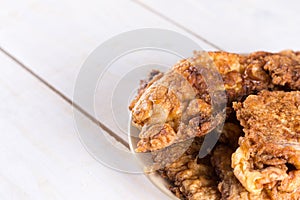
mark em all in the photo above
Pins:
pixel 157 134
pixel 284 69
pixel 166 99
pixel 144 84
pixel 268 157
pixel 229 186
pixel 191 178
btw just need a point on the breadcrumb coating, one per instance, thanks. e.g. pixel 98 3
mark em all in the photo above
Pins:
pixel 268 156
pixel 180 98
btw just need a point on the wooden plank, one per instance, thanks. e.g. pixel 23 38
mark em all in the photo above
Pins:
pixel 53 39
pixel 40 154
pixel 239 26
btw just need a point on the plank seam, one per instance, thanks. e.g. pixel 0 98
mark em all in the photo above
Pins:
pixel 64 97
pixel 176 24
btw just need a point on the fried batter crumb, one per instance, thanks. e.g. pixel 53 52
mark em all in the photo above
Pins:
pixel 167 98
pixel 269 154
pixel 260 162
pixel 190 178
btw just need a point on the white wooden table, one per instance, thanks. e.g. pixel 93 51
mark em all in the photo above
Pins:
pixel 43 45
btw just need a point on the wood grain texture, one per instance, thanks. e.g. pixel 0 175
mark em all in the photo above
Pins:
pixel 40 154
pixel 239 26
pixel 54 39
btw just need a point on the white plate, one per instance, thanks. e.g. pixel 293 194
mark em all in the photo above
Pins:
pixel 145 160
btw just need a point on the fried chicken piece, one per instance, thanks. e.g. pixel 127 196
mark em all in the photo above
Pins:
pixel 284 69
pixel 190 178
pixel 193 178
pixel 180 98
pixel 153 76
pixel 230 135
pixel 268 159
pixel 229 186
